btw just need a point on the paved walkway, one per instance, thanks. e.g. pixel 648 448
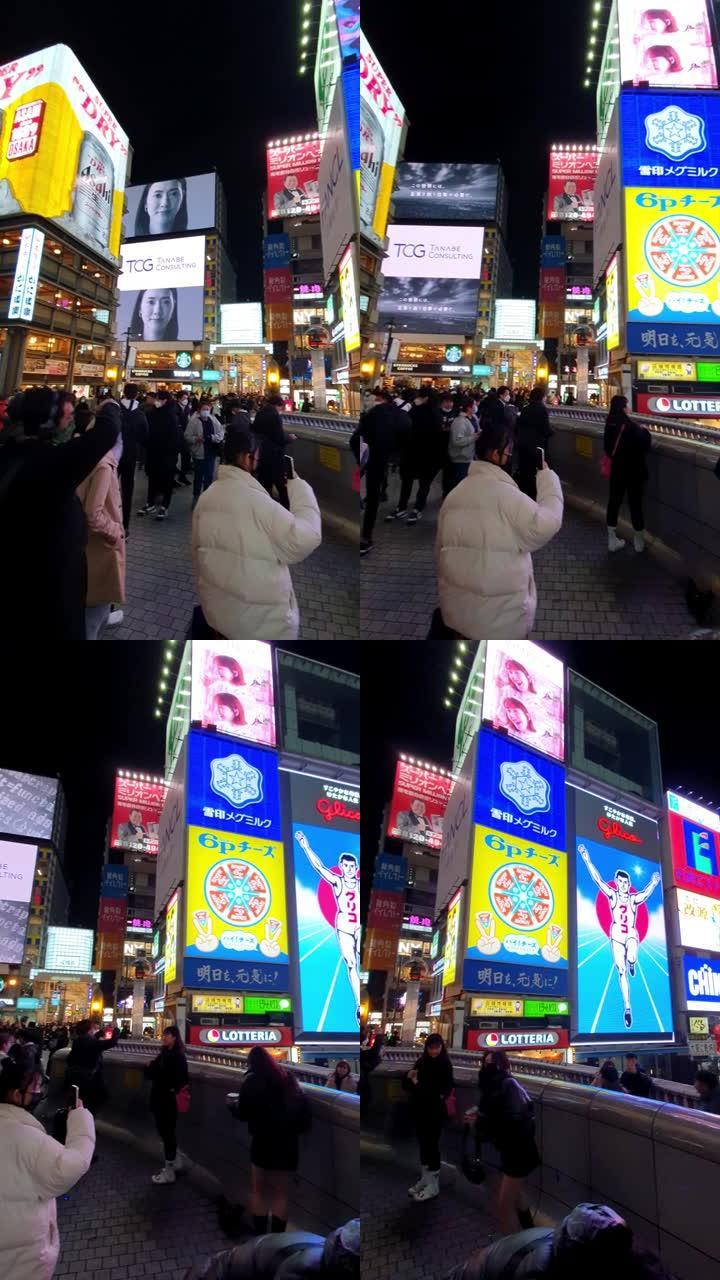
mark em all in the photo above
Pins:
pixel 584 593
pixel 161 594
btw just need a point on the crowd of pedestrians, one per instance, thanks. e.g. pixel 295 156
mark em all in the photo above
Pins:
pixel 68 475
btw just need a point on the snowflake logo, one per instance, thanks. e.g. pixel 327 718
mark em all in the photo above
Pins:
pixel 524 786
pixel 236 780
pixel 675 133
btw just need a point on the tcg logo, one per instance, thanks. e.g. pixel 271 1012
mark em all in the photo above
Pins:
pixel 409 250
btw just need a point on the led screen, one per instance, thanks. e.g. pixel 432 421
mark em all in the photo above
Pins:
pixel 524 695
pixel 169 206
pixel 445 192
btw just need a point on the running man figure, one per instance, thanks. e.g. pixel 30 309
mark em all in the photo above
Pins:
pixel 624 938
pixel 347 897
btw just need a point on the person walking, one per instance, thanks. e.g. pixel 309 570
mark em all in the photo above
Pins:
pixel 461 447
pixel 383 428
pixel 506 1118
pixel 270 434
pixel 243 543
pixel 626 446
pixel 341 1078
pixel 532 432
pixel 275 1108
pixel 430 1083
pixel 204 435
pixel 100 496
pixel 421 456
pixel 134 440
pixel 84 1064
pixel 34 1170
pixel 185 466
pixel 169 1075
pixel 487 530
pixel 634 1079
pixel 163 446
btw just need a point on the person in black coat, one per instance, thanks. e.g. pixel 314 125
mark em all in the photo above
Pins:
pixel 273 1104
pixel 421 455
pixel 43 572
pixel 383 428
pixel 430 1083
pixel 185 468
pixel 268 429
pixel 135 435
pixel 163 446
pixel 627 445
pixel 532 432
pixel 634 1079
pixel 505 1118
pixel 295 1255
pixel 84 1064
pixel 168 1074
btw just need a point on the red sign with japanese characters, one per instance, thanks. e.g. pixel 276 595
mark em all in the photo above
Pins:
pixel 386 910
pixel 112 915
pixel 418 806
pixel 136 814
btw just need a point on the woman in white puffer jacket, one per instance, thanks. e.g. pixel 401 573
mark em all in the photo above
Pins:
pixel 487 530
pixel 34 1169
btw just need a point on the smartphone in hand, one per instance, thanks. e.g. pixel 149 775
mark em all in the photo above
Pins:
pixel 539 458
pixel 288 467
pixel 76 1094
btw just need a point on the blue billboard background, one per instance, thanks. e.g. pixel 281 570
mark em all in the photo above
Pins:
pixel 328 1001
pixel 671 137
pixel 519 792
pixel 231 975
pixel 701 978
pixel 114 881
pixel 232 786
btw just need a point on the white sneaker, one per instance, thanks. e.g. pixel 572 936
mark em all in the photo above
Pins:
pixel 181 1164
pixel 148 510
pixel 412 1191
pixel 431 1188
pixel 115 617
pixel 165 1175
pixel 639 541
pixel 614 543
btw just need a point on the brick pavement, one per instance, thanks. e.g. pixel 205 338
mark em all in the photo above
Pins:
pixel 161 593
pixel 116 1225
pixel 584 593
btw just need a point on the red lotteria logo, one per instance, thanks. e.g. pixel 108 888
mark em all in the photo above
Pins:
pixel 213 1035
pixel 612 830
pixel 492 1040
pixel 336 809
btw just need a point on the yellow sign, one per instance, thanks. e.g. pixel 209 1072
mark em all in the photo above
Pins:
pixel 518 902
pixel 583 446
pixel 673 266
pixel 171 922
pixel 235 898
pixel 329 457
pixel 699 1026
pixel 451 940
pixel 612 299
pixel 349 293
pixel 217 1004
pixel 684 370
pixel 63 155
pixel 480 1007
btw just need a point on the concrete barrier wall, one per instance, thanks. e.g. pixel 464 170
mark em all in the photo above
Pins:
pixel 682 504
pixel 326 1189
pixel 323 458
pixel 655 1163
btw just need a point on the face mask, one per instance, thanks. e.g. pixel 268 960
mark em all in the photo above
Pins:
pixel 204 413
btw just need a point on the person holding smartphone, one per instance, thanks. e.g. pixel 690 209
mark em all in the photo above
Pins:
pixel 33 1171
pixel 532 432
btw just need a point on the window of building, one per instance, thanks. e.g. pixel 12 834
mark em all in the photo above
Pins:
pixel 613 742
pixel 319 709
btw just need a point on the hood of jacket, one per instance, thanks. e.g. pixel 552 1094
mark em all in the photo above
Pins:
pixel 593 1227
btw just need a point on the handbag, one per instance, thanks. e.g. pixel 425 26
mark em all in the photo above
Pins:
pixel 182 1099
pixel 451 1105
pixel 470 1162
pixel 606 460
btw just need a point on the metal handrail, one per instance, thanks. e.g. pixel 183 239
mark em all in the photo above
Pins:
pixel 329 422
pixel 690 429
pixel 235 1059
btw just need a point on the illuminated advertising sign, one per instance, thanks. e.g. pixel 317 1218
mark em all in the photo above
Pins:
pixel 276 251
pixel 136 814
pixel 390 873
pixel 168 206
pixel 707 372
pixel 27 270
pixel 380 950
pixel 349 295
pixel 418 805
pixel 161 290
pixel 513 1041
pixel 232 688
pixel 241 1037
pixel 612 303
pixel 452 938
pixel 607 229
pixel 27 804
pixel 546 1008
pixel 80 185
pixel 218 1004
pixel 267 1004
pixel 348 20
pixel 445 192
pixel 679 406
pixel 326 853
pixel 109 951
pixel 553 251
pixel 514 320
pixel 235 916
pixel 114 881
pixel 328 63
pixel 69 950
pixel 293 169
pixel 519 792
pixel 233 786
pixel 517 921
pixel 552 285
pixel 17 869
pixel 671 137
pixel 670 370
pixel 429 306
pixel 701 984
pixel 171 939
pixel 608 86
pixel 112 914
pixel 623 983
pixel 382 118
pixel 694 845
pixel 524 695
pixel 434 253
pixel 486 1007
pixel 385 910
pixel 570 185
pixel 241 323
pixel 670 47
pixel 699 918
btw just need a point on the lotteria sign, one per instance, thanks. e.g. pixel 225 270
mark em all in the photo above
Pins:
pixel 680 406
pixel 514 1040
pixel 702 982
pixel 239 1037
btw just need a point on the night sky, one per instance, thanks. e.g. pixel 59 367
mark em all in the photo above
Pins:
pixel 488 82
pixel 85 712
pixel 404 690
pixel 194 89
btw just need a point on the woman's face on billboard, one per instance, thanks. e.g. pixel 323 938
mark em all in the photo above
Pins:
pixel 163 203
pixel 156 311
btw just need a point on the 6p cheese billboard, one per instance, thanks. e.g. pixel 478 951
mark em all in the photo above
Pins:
pixel 63 154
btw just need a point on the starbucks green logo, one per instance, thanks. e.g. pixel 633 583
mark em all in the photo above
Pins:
pixel 453 355
pixel 183 360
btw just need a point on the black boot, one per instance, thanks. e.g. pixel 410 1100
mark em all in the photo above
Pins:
pixel 525 1219
pixel 260 1224
pixel 277 1224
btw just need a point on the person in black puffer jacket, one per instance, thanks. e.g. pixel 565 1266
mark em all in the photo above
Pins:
pixel 169 1074
pixel 430 1084
pixel 164 443
pixel 269 430
pixel 532 432
pixel 591 1243
pixel 505 1118
pixel 627 445
pixel 289 1257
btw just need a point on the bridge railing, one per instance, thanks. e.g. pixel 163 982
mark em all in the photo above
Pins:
pixel 322 456
pixel 679 429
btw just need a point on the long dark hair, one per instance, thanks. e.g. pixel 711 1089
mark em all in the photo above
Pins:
pixel 179 1046
pixel 617 412
pixel 342 1063
pixel 14 1074
pixel 431 1041
pixel 136 322
pixel 142 219
pixel 263 1065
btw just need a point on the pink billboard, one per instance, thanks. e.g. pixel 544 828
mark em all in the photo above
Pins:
pixel 524 695
pixel 418 805
pixel 136 814
pixel 232 689
pixel 669 45
pixel 570 188
pixel 293 169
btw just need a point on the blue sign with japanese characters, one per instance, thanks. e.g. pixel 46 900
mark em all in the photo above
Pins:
pixel 671 137
pixel 276 251
pixel 553 251
pixel 232 786
pixel 667 340
pixel 390 873
pixel 203 975
pixel 519 792
pixel 523 979
pixel 114 881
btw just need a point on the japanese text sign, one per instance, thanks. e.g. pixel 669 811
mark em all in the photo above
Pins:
pixel 136 814
pixel 519 792
pixel 418 805
pixel 694 845
pixel 232 786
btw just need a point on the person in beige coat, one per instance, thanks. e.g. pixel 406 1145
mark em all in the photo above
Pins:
pixel 102 503
pixel 486 532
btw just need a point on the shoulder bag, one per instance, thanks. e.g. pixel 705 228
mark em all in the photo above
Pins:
pixel 606 460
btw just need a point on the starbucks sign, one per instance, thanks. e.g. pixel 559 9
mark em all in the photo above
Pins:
pixel 453 355
pixel 183 359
